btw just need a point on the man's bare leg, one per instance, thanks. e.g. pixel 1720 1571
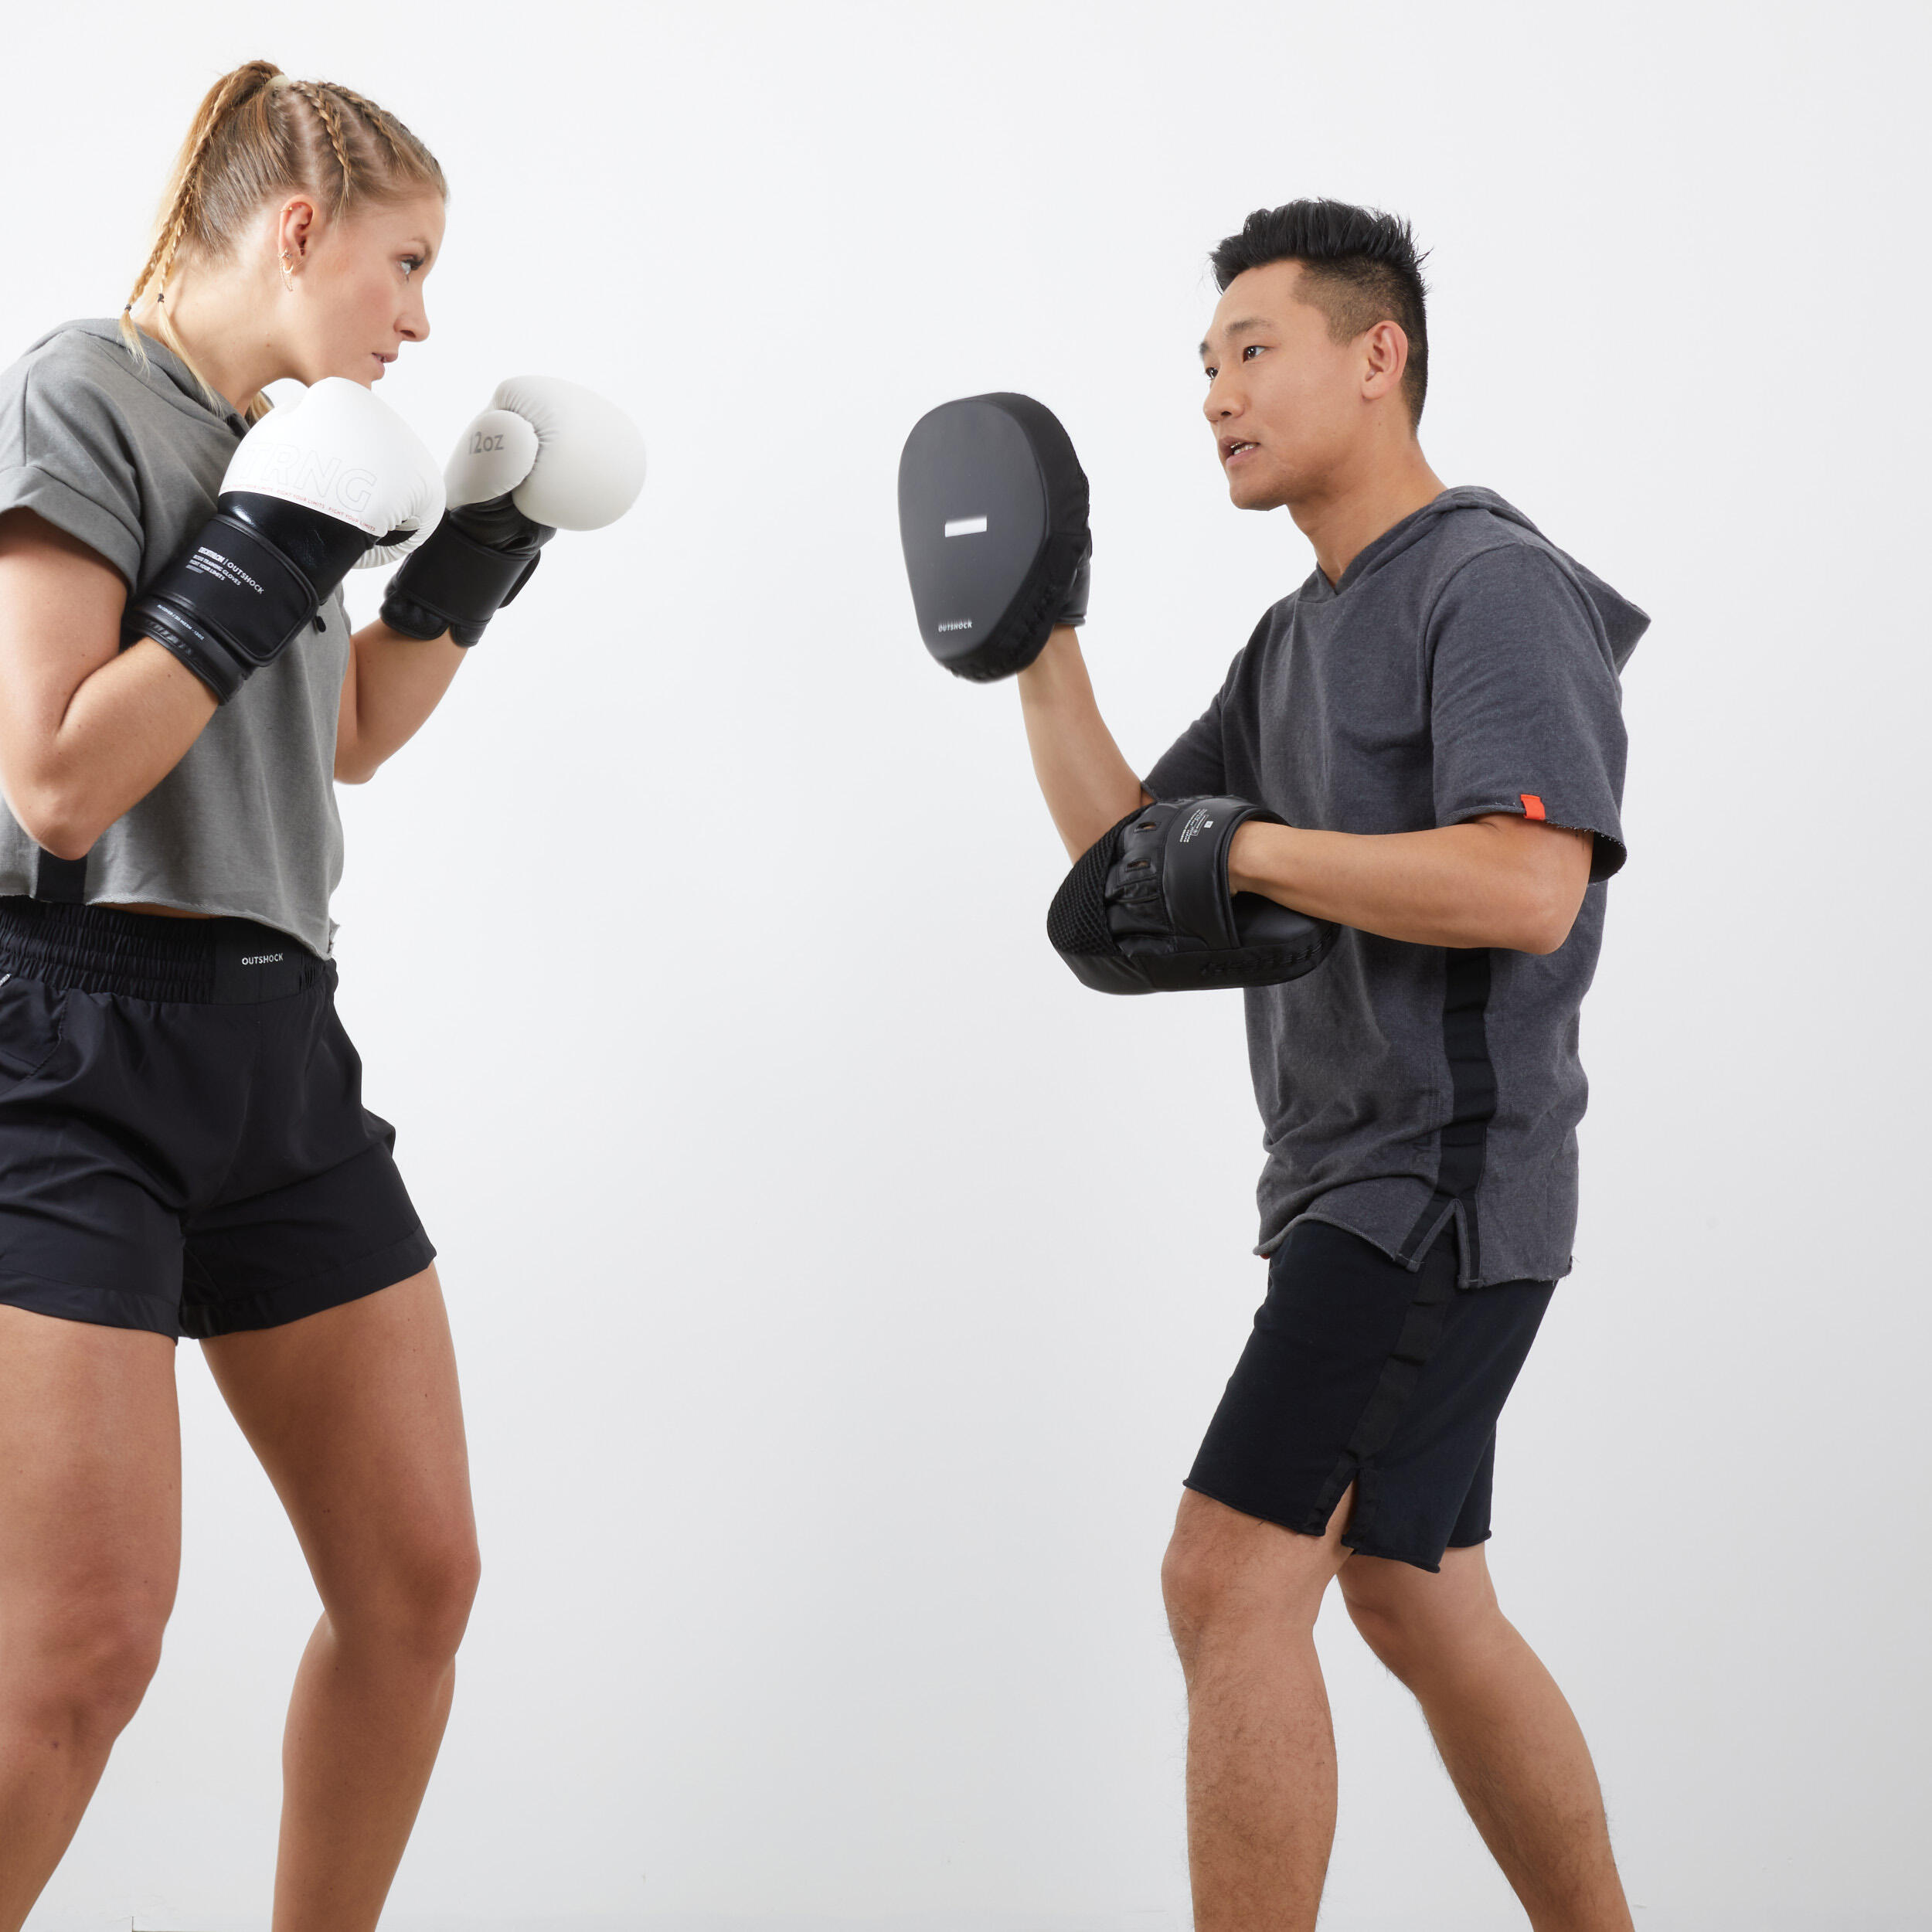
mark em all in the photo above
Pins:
pixel 1507 1736
pixel 1242 1596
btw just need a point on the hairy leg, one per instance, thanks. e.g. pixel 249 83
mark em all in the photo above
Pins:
pixel 1507 1736
pixel 1242 1596
pixel 89 1548
pixel 355 1415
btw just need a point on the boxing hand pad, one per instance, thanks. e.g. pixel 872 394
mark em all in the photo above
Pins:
pixel 1147 907
pixel 992 519
pixel 546 455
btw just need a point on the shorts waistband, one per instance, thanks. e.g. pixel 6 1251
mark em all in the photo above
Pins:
pixel 100 949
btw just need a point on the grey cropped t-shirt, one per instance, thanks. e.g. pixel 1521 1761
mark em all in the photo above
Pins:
pixel 129 460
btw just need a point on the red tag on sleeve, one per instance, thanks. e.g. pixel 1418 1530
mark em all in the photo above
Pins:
pixel 1533 806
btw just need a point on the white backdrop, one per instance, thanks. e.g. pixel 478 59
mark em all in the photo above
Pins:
pixel 841 1289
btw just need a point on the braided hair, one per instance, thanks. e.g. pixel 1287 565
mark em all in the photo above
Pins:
pixel 257 134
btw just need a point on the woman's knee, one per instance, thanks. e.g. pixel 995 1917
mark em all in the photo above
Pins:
pixel 83 1664
pixel 417 1602
pixel 437 1586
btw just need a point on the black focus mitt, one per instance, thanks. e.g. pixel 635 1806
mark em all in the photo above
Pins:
pixel 1146 908
pixel 992 517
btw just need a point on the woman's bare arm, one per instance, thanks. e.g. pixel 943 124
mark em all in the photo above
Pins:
pixel 87 729
pixel 392 684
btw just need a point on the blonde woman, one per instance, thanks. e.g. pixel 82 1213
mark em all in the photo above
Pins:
pixel 183 1147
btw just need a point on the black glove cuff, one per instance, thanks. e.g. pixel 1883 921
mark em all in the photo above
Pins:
pixel 1194 871
pixel 1146 908
pixel 1074 610
pixel 454 582
pixel 202 653
pixel 228 603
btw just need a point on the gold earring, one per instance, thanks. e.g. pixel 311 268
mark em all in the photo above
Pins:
pixel 287 280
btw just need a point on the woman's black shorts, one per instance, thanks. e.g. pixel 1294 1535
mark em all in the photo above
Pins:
pixel 183 1143
pixel 1360 1372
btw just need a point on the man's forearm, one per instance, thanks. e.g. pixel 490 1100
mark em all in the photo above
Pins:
pixel 394 682
pixel 1498 881
pixel 1088 784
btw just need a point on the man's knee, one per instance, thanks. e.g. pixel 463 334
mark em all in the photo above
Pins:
pixel 1397 1639
pixel 1194 1583
pixel 1224 1569
pixel 1415 1621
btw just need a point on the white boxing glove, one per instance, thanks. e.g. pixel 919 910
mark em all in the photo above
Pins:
pixel 566 457
pixel 311 491
pixel 546 455
pixel 339 450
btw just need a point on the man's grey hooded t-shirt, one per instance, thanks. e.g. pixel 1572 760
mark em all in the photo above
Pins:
pixel 129 459
pixel 1463 665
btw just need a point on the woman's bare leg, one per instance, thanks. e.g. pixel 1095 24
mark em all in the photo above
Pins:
pixel 355 1415
pixel 89 1548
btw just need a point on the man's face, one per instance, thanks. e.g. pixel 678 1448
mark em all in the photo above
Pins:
pixel 1285 402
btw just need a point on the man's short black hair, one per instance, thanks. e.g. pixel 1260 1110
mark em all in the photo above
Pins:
pixel 1360 268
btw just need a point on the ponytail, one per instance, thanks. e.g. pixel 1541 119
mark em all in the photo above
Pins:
pixel 258 134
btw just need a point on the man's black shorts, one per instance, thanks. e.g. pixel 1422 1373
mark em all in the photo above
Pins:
pixel 1360 1372
pixel 183 1144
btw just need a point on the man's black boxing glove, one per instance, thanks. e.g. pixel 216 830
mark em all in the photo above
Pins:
pixel 1146 908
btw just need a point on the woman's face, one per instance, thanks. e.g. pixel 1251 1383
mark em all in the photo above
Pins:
pixel 351 293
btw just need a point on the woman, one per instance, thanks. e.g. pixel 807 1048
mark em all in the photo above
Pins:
pixel 183 1149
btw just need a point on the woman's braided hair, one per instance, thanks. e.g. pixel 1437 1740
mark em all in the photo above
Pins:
pixel 258 134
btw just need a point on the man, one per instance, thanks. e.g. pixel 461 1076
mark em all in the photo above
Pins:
pixel 1434 713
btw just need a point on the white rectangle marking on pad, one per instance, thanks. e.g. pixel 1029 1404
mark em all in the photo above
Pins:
pixel 966 526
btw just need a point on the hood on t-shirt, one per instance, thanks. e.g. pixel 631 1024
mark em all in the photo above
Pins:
pixel 1622 623
pixel 164 373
